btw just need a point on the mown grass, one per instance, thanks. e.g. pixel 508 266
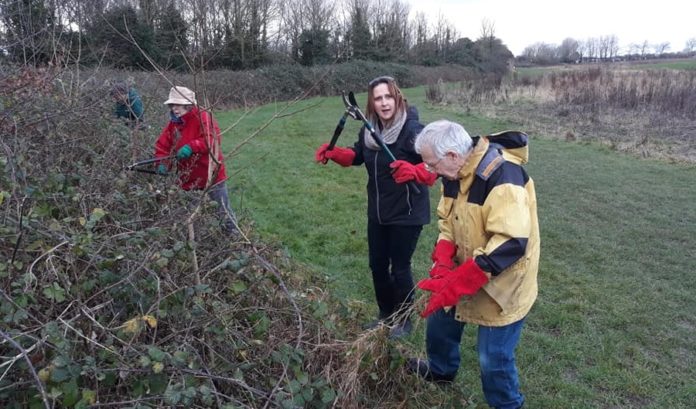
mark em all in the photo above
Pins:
pixel 539 71
pixel 318 212
pixel 614 323
pixel 533 72
pixel 686 64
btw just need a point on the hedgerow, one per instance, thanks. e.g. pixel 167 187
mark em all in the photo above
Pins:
pixel 283 82
pixel 119 289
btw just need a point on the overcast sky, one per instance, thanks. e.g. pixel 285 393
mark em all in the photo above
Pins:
pixel 525 22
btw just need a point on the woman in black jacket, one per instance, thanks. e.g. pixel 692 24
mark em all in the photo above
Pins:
pixel 396 214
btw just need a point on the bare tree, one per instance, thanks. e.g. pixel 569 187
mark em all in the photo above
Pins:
pixel 421 29
pixel 612 46
pixel 603 46
pixel 389 24
pixel 238 33
pixel 547 54
pixel 644 47
pixel 439 29
pixel 690 45
pixel 487 29
pixel 541 53
pixel 661 48
pixel 293 20
pixel 582 51
pixel 592 48
pixel 634 49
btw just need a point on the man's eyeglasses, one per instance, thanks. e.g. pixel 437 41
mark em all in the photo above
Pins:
pixel 431 167
pixel 380 80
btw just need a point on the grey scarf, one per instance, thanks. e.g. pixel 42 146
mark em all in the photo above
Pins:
pixel 389 135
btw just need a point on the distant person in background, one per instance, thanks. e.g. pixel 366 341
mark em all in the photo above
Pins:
pixel 395 213
pixel 486 257
pixel 192 137
pixel 129 108
pixel 128 103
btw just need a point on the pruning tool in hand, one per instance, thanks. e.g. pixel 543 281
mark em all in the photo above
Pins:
pixel 141 166
pixel 342 122
pixel 352 106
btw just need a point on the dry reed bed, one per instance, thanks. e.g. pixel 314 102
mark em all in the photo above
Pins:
pixel 647 112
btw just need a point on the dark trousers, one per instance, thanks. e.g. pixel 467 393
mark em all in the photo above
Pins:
pixel 392 246
pixel 228 219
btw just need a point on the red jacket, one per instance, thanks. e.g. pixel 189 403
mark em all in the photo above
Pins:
pixel 196 129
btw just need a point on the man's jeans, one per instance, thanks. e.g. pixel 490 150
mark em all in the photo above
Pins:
pixel 496 353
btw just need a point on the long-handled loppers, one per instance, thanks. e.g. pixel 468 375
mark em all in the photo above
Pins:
pixel 352 106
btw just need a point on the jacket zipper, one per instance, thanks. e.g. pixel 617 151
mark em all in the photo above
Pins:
pixel 379 217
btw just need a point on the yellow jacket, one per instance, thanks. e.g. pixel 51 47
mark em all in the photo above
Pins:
pixel 490 214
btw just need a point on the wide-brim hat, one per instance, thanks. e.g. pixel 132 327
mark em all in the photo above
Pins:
pixel 181 96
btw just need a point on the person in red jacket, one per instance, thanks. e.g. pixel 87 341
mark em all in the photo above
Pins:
pixel 192 136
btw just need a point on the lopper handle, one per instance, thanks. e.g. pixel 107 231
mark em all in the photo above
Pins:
pixel 337 131
pixel 384 146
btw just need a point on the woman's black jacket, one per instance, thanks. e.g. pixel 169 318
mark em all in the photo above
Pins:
pixel 387 201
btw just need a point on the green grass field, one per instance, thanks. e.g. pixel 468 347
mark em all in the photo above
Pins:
pixel 682 64
pixel 614 324
pixel 688 64
pixel 535 72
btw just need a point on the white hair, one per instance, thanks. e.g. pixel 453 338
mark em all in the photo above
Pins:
pixel 444 136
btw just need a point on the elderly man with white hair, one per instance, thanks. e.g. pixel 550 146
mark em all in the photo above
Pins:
pixel 486 258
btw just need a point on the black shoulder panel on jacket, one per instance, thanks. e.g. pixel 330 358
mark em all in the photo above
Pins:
pixel 507 172
pixel 450 188
pixel 509 139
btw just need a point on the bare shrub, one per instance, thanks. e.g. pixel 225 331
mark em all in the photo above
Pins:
pixel 435 92
pixel 475 89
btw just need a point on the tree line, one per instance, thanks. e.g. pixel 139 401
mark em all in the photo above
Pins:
pixel 603 48
pixel 236 34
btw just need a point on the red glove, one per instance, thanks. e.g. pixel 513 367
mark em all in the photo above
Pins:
pixel 406 171
pixel 466 279
pixel 342 156
pixel 442 256
pixel 320 154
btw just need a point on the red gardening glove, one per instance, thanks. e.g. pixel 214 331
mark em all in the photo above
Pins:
pixel 466 279
pixel 442 256
pixel 342 156
pixel 320 154
pixel 406 171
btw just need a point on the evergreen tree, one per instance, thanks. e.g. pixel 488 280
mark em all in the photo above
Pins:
pixel 116 36
pixel 170 39
pixel 314 47
pixel 390 43
pixel 462 52
pixel 360 36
